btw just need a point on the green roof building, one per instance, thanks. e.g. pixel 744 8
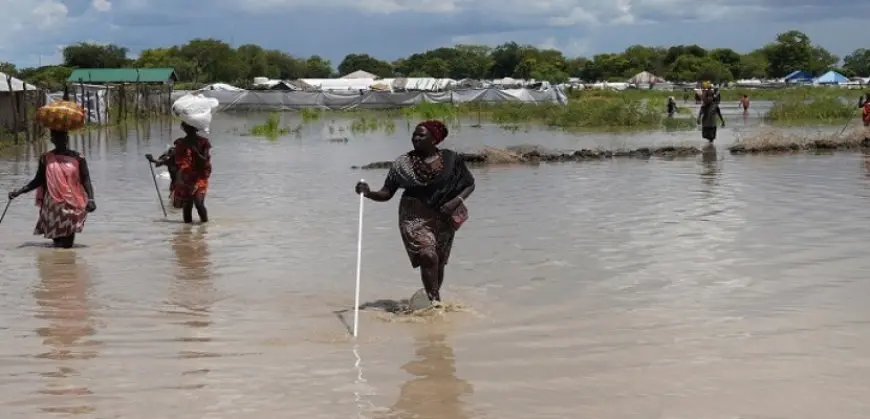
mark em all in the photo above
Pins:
pixel 123 75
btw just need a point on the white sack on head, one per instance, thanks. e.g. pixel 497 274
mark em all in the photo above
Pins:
pixel 195 110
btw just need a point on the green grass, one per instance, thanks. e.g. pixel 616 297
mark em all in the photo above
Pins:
pixel 728 94
pixel 595 113
pixel 822 111
pixel 270 129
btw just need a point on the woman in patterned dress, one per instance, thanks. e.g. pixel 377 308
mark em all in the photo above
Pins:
pixel 64 192
pixel 436 183
pixel 193 160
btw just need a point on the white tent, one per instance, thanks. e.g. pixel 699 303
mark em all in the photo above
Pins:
pixel 17 85
pixel 359 74
pixel 645 77
pixel 339 84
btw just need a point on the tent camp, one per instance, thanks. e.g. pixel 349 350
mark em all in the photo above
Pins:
pixel 13 99
pixel 645 77
pixel 831 77
pixel 798 76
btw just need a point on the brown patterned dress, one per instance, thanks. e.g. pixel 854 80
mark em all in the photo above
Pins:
pixel 428 185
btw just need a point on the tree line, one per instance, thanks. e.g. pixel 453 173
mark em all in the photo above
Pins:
pixel 211 60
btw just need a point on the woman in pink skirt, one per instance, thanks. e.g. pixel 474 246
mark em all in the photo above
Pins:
pixel 64 192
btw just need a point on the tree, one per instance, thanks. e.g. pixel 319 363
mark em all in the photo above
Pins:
pixel 505 59
pixel 691 68
pixel 317 68
pixel 473 61
pixel 254 56
pixel 87 55
pixel 436 67
pixel 214 60
pixel 858 62
pixel 211 60
pixel 51 77
pixel 729 58
pixel 365 62
pixel 8 68
pixel 793 51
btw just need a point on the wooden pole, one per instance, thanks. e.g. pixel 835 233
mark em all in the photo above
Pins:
pixel 26 113
pixel 97 100
pixel 85 104
pixel 14 102
pixel 138 77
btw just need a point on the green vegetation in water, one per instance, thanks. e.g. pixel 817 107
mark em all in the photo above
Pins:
pixel 369 123
pixel 310 114
pixel 597 113
pixel 727 94
pixel 819 111
pixel 271 128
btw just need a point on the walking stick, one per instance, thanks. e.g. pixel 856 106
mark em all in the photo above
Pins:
pixel 358 266
pixel 4 210
pixel 848 121
pixel 157 188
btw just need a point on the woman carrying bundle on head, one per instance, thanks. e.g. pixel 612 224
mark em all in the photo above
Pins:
pixel 192 154
pixel 64 192
pixel 436 183
pixel 193 160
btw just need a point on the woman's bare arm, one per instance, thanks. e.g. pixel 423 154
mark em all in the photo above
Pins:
pixel 38 180
pixel 85 177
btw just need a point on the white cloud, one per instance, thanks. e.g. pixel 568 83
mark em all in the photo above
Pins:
pixel 19 15
pixel 370 6
pixel 101 5
pixel 49 13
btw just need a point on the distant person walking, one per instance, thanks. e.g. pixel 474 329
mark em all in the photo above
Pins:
pixel 744 103
pixel 707 117
pixel 436 182
pixel 864 104
pixel 672 107
pixel 64 193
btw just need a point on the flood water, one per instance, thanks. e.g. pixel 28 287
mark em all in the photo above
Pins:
pixel 675 289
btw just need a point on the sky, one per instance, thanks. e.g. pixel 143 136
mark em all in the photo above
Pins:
pixel 33 32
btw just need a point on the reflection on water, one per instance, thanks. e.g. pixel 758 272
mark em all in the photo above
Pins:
pixel 62 298
pixel 435 392
pixel 191 294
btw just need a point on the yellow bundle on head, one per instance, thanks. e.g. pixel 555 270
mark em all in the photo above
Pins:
pixel 61 115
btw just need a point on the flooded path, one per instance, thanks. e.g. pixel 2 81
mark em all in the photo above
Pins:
pixel 613 289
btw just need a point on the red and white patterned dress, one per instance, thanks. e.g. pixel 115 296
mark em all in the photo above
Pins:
pixel 62 200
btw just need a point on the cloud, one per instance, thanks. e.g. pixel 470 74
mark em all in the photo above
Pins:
pixel 101 5
pixel 391 29
pixel 48 13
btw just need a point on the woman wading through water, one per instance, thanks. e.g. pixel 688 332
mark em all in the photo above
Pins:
pixel 193 162
pixel 64 192
pixel 436 182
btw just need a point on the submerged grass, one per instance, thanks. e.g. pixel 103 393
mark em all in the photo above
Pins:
pixel 271 128
pixel 826 110
pixel 773 142
pixel 727 94
pixel 599 113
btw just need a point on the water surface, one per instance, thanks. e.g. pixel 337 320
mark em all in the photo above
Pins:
pixel 732 288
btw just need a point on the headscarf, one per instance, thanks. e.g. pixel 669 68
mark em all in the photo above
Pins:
pixel 436 128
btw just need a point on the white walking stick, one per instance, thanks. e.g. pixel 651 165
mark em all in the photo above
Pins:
pixel 358 265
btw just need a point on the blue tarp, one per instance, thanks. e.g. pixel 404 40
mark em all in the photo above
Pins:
pixel 832 77
pixel 798 76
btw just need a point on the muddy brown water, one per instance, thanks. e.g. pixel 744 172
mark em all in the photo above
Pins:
pixel 733 288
